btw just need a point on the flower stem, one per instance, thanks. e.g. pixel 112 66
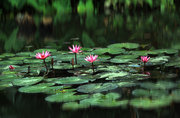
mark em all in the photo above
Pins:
pixel 93 67
pixel 73 63
pixel 45 65
pixel 52 62
pixel 75 58
pixel 144 66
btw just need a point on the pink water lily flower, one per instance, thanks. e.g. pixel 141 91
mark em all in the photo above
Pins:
pixel 145 59
pixel 91 58
pixel 11 67
pixel 75 49
pixel 43 55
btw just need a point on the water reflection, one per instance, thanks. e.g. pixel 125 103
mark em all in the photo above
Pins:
pixel 156 30
pixel 18 105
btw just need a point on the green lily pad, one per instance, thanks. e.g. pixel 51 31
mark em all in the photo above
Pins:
pixel 33 61
pixel 160 59
pixel 41 50
pixel 101 51
pixel 162 51
pixel 4 85
pixel 139 53
pixel 71 80
pixel 39 88
pixel 25 54
pixel 124 45
pixel 115 51
pixel 65 97
pixel 27 81
pixel 96 87
pixel 146 103
pixel 176 95
pixel 65 66
pixel 19 58
pixel 126 84
pixel 112 75
pixel 108 100
pixel 121 61
pixel 148 93
pixel 127 56
pixel 8 77
pixel 74 106
pixel 158 85
pixel 7 55
pixel 9 72
pixel 68 57
pixel 108 68
pixel 12 62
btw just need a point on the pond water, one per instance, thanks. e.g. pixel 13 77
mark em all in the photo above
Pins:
pixel 121 85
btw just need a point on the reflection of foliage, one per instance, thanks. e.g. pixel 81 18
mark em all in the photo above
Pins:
pixel 12 43
pixel 87 7
pixel 87 41
pixel 163 4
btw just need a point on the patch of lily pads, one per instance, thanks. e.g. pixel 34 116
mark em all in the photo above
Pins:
pixel 118 66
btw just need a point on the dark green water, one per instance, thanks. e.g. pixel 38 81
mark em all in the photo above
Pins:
pixel 155 30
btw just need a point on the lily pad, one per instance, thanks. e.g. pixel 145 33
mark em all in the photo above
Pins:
pixel 158 85
pixel 27 81
pixel 24 54
pixel 126 84
pixel 124 45
pixel 108 100
pixel 148 93
pixel 112 75
pixel 12 62
pixel 19 58
pixel 65 97
pixel 71 80
pixel 96 87
pixel 121 61
pixel 176 95
pixel 41 50
pixel 4 85
pixel 7 55
pixel 146 103
pixel 160 59
pixel 39 88
pixel 65 66
pixel 74 106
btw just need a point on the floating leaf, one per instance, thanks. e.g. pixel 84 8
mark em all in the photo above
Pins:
pixel 74 106
pixel 71 80
pixel 39 88
pixel 147 103
pixel 158 85
pixel 65 97
pixel 124 45
pixel 27 81
pixel 112 75
pixel 96 87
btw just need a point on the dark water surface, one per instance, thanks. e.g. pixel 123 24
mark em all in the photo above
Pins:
pixel 154 30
